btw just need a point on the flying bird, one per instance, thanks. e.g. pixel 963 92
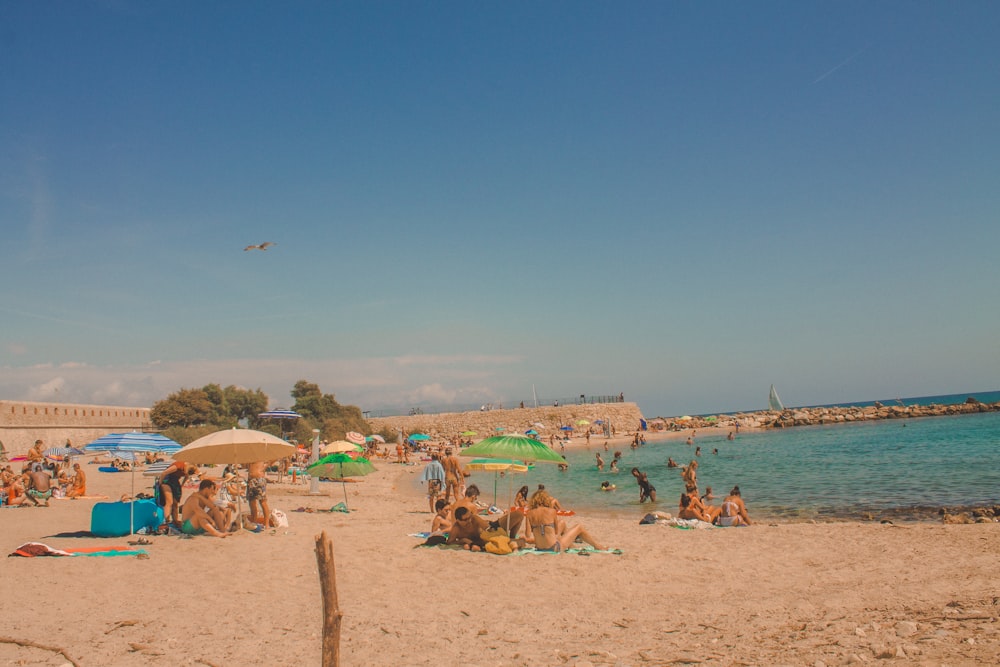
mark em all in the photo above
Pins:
pixel 263 246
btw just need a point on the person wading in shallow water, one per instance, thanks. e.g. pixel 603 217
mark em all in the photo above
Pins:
pixel 646 490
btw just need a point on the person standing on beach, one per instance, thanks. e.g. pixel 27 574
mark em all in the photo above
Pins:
pixel 257 494
pixel 171 484
pixel 453 475
pixel 434 476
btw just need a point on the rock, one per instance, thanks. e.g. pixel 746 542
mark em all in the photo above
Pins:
pixel 906 629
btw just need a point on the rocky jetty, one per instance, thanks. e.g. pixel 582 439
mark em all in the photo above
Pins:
pixel 818 416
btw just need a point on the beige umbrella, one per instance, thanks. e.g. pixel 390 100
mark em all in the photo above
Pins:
pixel 340 446
pixel 236 445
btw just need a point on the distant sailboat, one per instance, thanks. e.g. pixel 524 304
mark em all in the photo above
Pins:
pixel 774 402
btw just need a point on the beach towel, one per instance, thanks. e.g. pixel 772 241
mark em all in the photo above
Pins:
pixel 577 551
pixel 33 549
pixel 686 524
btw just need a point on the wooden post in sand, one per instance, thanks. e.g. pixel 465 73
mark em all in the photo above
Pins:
pixel 331 607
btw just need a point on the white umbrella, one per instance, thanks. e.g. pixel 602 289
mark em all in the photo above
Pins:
pixel 235 445
pixel 340 446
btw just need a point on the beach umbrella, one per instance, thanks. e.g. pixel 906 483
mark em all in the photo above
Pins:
pixel 376 437
pixel 582 422
pixel 513 446
pixel 281 416
pixel 565 428
pixel 355 437
pixel 343 466
pixel 468 433
pixel 531 431
pixel 340 446
pixel 156 469
pixel 496 466
pixel 124 445
pixel 59 453
pixel 235 445
pixel 417 437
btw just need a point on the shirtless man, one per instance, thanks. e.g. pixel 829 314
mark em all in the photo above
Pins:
pixel 467 528
pixel 35 453
pixel 257 494
pixel 454 476
pixel 79 487
pixel 200 516
pixel 39 486
pixel 511 521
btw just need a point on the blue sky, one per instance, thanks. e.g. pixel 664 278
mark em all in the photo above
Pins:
pixel 684 202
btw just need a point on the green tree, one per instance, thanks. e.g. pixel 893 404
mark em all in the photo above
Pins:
pixel 187 407
pixel 244 403
pixel 322 411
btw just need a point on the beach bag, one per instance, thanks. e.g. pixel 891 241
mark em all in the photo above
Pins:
pixel 279 518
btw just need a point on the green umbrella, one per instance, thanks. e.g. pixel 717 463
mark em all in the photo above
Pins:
pixel 341 466
pixel 513 446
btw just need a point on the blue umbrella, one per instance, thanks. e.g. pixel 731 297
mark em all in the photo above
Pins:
pixel 565 428
pixel 60 452
pixel 279 414
pixel 531 431
pixel 131 443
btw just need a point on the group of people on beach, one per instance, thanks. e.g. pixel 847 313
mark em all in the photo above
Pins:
pixel 40 479
pixel 460 519
pixel 213 508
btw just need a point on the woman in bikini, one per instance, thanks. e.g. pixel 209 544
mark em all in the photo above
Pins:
pixel 734 511
pixel 548 530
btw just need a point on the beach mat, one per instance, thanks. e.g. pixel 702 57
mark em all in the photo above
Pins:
pixel 35 549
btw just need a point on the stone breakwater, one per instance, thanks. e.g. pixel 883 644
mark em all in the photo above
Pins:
pixel 819 416
pixel 548 420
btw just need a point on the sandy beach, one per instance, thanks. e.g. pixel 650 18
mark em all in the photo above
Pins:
pixel 804 594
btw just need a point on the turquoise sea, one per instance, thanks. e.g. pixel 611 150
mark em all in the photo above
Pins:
pixel 896 469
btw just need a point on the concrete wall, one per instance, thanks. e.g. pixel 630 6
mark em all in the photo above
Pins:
pixel 623 416
pixel 23 422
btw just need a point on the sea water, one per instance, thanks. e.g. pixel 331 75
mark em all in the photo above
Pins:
pixel 897 469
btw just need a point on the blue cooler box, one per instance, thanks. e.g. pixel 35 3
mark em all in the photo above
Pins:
pixel 111 519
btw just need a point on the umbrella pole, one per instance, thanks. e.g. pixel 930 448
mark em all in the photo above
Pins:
pixel 343 482
pixel 131 505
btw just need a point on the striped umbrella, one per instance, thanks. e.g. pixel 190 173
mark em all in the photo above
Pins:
pixel 128 444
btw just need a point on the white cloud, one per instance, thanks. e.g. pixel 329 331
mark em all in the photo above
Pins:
pixel 371 383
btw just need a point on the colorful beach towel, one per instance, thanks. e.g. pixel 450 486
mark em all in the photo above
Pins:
pixel 33 549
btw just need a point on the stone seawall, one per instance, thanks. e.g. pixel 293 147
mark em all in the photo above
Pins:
pixel 23 422
pixel 623 417
pixel 817 416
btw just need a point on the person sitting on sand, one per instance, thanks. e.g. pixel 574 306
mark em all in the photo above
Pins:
pixel 511 521
pixel 734 510
pixel 35 453
pixel 171 485
pixel 78 487
pixel 38 485
pixel 548 530
pixel 687 511
pixel 442 518
pixel 199 515
pixel 521 498
pixel 691 507
pixel 466 529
